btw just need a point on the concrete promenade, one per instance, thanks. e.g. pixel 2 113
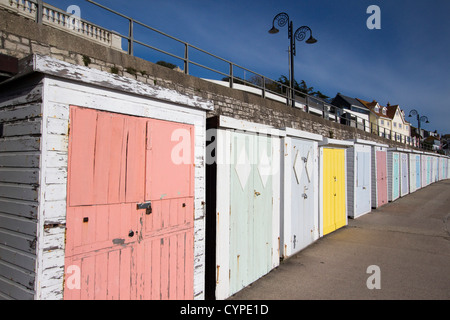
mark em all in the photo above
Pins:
pixel 408 239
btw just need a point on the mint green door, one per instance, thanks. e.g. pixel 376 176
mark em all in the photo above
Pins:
pixel 250 209
pixel 396 176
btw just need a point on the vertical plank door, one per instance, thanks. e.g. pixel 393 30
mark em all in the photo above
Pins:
pixel 404 174
pixel 334 197
pixel 382 191
pixel 418 171
pixel 114 250
pixel 396 176
pixel 302 194
pixel 250 252
pixel 363 182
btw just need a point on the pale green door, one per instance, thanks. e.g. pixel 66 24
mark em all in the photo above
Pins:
pixel 250 209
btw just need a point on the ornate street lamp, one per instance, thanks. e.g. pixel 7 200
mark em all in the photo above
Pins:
pixel 300 34
pixel 419 120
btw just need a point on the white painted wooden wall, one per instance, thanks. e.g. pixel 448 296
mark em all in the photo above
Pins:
pixel 64 85
pixel 20 144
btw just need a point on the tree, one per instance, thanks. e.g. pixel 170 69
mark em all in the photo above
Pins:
pixel 167 64
pixel 302 87
pixel 320 95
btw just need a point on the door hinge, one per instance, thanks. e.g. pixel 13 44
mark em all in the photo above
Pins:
pixel 145 205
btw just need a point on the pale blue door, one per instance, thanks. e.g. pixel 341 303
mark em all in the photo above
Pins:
pixel 418 171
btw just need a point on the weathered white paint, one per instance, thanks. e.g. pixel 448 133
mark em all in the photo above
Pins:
pixel 20 115
pixel 87 75
pixel 287 245
pixel 59 95
pixel 359 165
pixel 223 160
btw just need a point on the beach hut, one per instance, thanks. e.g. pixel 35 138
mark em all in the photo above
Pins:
pixel 442 161
pixel 435 169
pixel 415 170
pixel 429 168
pixel 332 185
pixel 359 178
pixel 447 167
pixel 404 172
pixel 423 167
pixel 393 174
pixel 244 204
pixel 300 191
pixel 103 191
pixel 379 175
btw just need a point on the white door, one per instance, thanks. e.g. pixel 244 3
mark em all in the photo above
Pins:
pixel 303 180
pixel 363 181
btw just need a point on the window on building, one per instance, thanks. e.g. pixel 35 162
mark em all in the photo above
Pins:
pixel 395 124
pixel 400 125
pixel 382 122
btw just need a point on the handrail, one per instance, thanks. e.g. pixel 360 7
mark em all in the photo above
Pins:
pixel 314 108
pixel 308 103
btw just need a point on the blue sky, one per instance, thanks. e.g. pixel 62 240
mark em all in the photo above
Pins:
pixel 406 62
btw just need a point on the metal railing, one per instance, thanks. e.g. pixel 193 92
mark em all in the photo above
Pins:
pixel 259 84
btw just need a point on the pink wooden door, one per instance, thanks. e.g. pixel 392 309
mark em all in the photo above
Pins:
pixel 382 178
pixel 113 249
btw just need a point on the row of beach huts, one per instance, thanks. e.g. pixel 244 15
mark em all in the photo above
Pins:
pixel 264 214
pixel 111 188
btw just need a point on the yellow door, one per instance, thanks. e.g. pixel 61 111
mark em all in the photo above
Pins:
pixel 334 210
pixel 340 205
pixel 328 191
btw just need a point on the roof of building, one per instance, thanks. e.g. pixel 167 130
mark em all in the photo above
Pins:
pixel 371 106
pixel 352 101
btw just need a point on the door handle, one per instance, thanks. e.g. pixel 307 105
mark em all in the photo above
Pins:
pixel 257 193
pixel 145 205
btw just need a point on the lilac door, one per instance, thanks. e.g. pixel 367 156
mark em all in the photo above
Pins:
pixel 129 231
pixel 382 180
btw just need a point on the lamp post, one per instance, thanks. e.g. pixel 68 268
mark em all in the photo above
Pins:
pixel 419 120
pixel 300 34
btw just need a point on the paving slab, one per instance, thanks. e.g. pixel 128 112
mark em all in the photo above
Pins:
pixel 408 240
